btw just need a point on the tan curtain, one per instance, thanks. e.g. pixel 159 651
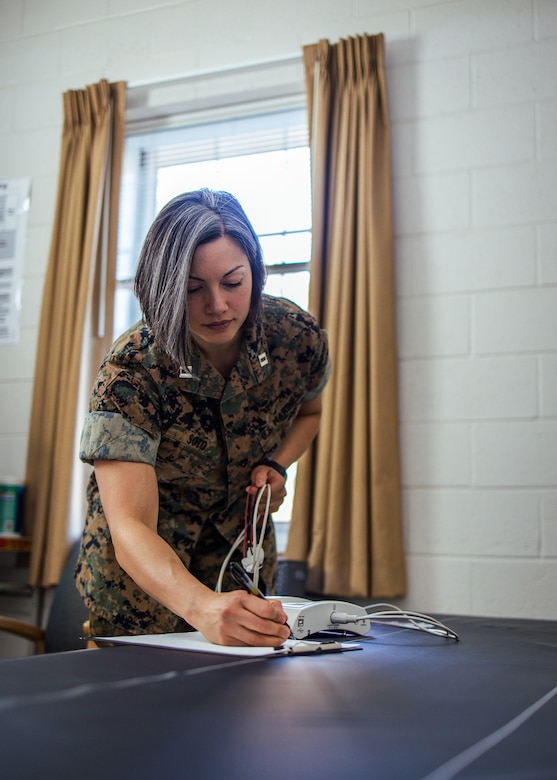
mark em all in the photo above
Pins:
pixel 347 509
pixel 75 324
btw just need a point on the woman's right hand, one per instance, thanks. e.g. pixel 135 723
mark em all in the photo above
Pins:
pixel 240 619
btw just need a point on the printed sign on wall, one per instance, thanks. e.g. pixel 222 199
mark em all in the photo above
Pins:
pixel 15 198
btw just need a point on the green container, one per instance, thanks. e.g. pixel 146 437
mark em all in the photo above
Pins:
pixel 11 506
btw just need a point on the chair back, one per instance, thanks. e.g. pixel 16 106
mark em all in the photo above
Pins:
pixel 67 614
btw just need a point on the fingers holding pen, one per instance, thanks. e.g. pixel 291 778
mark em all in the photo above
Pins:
pixel 266 623
pixel 242 578
pixel 270 611
pixel 239 618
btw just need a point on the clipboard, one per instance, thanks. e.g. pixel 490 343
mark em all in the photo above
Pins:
pixel 194 641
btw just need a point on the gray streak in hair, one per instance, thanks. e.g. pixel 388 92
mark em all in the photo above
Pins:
pixel 161 281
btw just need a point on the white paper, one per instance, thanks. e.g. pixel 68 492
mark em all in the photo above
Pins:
pixel 193 640
pixel 15 195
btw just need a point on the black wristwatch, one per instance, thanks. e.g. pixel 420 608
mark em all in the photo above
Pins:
pixel 276 466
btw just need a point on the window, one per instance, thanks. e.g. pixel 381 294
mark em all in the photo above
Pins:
pixel 264 161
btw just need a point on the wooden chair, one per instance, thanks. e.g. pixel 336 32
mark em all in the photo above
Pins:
pixel 67 619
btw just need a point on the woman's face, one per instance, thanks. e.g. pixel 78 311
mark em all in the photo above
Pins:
pixel 219 294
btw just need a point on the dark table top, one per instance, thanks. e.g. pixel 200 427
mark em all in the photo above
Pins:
pixel 408 706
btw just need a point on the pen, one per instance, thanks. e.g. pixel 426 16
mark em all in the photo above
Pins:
pixel 242 579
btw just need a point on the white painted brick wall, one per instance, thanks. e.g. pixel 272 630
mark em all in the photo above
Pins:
pixel 478 370
pixel 516 321
pixel 473 106
pixel 548 253
pixel 471 261
pixel 473 523
pixel 516 74
pixel 515 454
pixel 511 195
pixel 548 383
pixel 470 389
pixel 436 454
pixel 549 526
pixel 434 327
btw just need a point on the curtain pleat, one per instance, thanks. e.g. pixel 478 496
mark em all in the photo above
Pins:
pixel 91 155
pixel 347 508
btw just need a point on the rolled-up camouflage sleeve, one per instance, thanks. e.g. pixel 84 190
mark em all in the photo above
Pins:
pixel 110 436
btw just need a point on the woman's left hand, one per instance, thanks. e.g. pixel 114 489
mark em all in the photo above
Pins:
pixel 298 439
pixel 262 475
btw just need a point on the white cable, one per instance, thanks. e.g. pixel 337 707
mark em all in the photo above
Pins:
pixel 237 543
pixel 398 617
pixel 408 619
pixel 415 622
pixel 344 617
pixel 257 551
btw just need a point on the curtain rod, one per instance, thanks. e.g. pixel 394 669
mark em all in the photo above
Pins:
pixel 291 59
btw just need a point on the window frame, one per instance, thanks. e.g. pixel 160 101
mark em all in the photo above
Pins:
pixel 145 200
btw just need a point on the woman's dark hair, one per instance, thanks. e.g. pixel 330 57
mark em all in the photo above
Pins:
pixel 161 281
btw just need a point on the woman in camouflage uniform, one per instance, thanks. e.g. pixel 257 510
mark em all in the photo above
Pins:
pixel 213 394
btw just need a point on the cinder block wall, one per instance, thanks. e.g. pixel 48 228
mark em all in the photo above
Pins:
pixel 473 101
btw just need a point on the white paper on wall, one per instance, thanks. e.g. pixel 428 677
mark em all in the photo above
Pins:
pixel 15 198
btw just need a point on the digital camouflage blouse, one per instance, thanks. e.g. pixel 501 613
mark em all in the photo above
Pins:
pixel 203 434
